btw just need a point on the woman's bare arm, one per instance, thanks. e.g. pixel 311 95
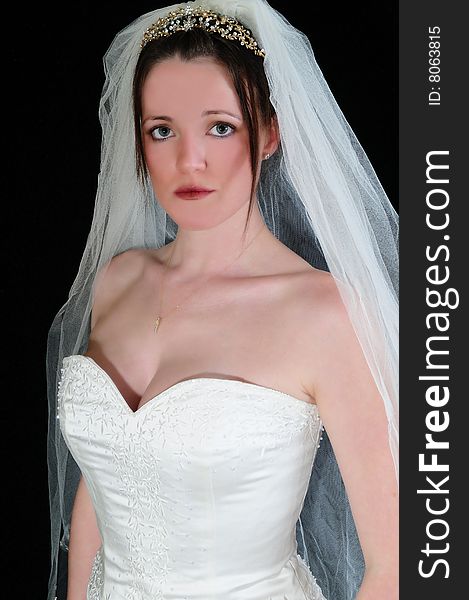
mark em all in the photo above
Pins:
pixel 85 540
pixel 353 414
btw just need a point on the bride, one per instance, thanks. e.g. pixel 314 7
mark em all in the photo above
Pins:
pixel 229 306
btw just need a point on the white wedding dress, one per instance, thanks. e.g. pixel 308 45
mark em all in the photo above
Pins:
pixel 197 493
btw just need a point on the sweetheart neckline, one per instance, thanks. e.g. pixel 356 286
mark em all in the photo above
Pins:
pixel 312 407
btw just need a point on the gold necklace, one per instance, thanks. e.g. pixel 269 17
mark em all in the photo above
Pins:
pixel 159 318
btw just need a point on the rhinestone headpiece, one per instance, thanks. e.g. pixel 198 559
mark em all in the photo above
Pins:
pixel 188 17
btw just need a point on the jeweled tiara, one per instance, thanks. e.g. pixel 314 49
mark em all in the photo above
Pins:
pixel 188 17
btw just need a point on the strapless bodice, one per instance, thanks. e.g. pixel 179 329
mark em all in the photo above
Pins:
pixel 197 493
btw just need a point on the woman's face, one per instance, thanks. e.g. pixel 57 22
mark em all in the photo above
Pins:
pixel 194 136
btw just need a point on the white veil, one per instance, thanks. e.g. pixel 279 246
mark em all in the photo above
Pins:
pixel 318 194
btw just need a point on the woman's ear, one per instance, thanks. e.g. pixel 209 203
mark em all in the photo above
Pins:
pixel 272 138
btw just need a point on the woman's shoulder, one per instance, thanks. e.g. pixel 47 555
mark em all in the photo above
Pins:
pixel 328 293
pixel 125 263
pixel 319 290
pixel 126 267
pixel 321 309
pixel 308 289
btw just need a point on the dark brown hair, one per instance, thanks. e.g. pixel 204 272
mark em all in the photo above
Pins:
pixel 245 68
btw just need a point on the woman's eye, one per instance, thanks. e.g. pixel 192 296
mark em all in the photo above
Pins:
pixel 160 133
pixel 222 129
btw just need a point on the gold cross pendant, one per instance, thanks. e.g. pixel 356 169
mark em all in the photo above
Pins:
pixel 157 322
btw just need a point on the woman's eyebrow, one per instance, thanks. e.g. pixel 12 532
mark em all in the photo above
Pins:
pixel 221 112
pixel 157 118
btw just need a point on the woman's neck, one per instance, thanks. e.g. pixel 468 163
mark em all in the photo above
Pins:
pixel 206 252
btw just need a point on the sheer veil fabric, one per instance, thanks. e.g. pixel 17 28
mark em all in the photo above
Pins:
pixel 318 194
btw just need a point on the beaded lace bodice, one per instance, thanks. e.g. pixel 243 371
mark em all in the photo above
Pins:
pixel 197 493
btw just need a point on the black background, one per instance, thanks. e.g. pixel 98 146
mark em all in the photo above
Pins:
pixel 52 142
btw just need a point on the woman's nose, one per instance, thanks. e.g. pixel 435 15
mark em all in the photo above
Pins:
pixel 191 155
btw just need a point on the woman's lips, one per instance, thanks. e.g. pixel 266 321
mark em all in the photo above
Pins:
pixel 192 193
